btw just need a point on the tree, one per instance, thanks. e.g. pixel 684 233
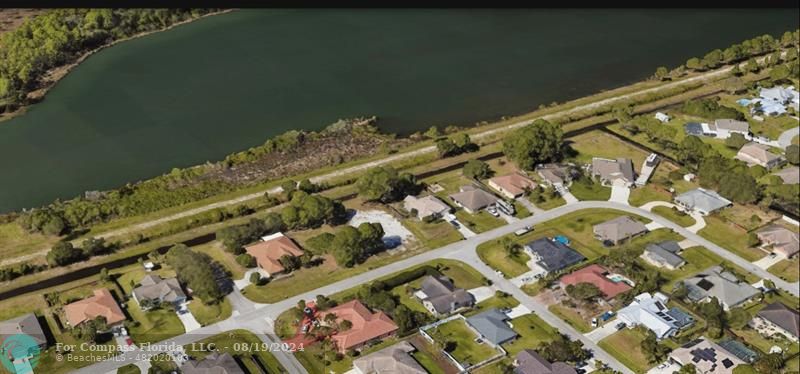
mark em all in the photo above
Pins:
pixel 345 325
pixel 371 237
pixel 447 148
pixel 323 302
pixel 769 363
pixel 687 369
pixel 433 132
pixel 737 318
pixel 654 351
pixel 290 263
pixel 661 73
pixel 583 291
pixel 94 247
pixel 735 141
pixel 563 350
pixel 196 270
pixel 105 276
pixel 476 169
pixel 246 260
pixel 752 239
pixel 255 278
pixel 739 187
pixel 63 253
pixel 779 73
pixel 715 317
pixel 793 154
pixel 538 142
pixel 54 226
pixel 386 185
pixel 623 113
pixel 751 66
pixel 347 250
pixel 713 59
pixel 320 244
pixel 757 171
pixel 694 63
pixel 681 291
pixel 736 71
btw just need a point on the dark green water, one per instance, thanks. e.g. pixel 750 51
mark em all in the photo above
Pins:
pixel 229 82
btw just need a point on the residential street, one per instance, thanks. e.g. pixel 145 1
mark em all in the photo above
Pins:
pixel 465 250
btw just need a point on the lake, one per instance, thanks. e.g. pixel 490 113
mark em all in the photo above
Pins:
pixel 229 82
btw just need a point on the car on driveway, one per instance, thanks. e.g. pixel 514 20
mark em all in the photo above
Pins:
pixel 129 341
pixel 620 325
pixel 455 224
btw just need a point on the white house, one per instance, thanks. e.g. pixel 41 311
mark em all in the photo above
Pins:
pixel 651 312
pixel 662 117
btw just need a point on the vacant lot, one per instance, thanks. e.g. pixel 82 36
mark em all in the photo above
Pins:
pixel 625 346
pixel 730 237
pixel 494 254
pixel 787 270
pixel 432 234
pixel 673 215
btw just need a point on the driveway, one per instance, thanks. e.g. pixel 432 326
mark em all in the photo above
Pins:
pixel 518 311
pixel 564 192
pixel 665 368
pixel 481 293
pixel 188 320
pixel 465 232
pixel 529 206
pixel 619 193
pixel 785 139
pixel 602 332
pixel 766 261
pixel 699 221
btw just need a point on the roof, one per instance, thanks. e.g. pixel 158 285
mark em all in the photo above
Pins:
pixel 790 175
pixel 492 326
pixel 782 316
pixel 720 284
pixel 611 170
pixel 666 252
pixel 651 312
pixel 782 239
pixel 101 304
pixel 702 199
pixel 778 94
pixel 214 363
pixel 596 275
pixel 425 206
pixel 473 199
pixel 554 255
pixel 732 125
pixel 442 294
pixel 530 362
pixel 514 183
pixel 738 349
pixel 25 324
pixel 757 152
pixel 706 356
pixel 693 128
pixel 366 325
pixel 395 359
pixel 153 287
pixel 619 228
pixel 554 173
pixel 269 251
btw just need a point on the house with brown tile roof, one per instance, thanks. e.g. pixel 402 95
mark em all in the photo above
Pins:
pixel 598 276
pixel 618 229
pixel 783 241
pixel 553 174
pixel 512 185
pixel 270 249
pixel 759 154
pixel 614 171
pixel 366 325
pixel 777 318
pixel 473 199
pixel 154 290
pixel 101 304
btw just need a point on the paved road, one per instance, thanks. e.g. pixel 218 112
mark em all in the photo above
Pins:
pixel 785 139
pixel 260 317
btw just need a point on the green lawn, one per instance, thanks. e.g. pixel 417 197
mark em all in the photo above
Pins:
pixel 498 302
pixel 129 369
pixel 594 191
pixel 521 210
pixel 154 325
pixel 625 346
pixel 599 144
pixel 434 234
pixel 229 340
pixel 427 361
pixel 729 237
pixel 571 317
pixel 673 215
pixel 163 363
pixel 228 260
pixel 479 222
pixel 787 270
pixel 647 193
pixel 466 350
pixel 16 241
pixel 550 203
pixel 532 333
pixel 207 314
pixel 494 254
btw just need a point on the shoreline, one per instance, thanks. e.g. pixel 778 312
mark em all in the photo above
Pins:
pixel 53 76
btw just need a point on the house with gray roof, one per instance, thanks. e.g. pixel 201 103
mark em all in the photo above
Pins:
pixel 473 199
pixel 758 154
pixel 738 349
pixel 716 282
pixel 725 127
pixel 492 327
pixel 777 319
pixel 428 206
pixel 441 297
pixel 790 175
pixel 395 359
pixel 618 229
pixel 25 324
pixel 553 174
pixel 702 201
pixel 618 171
pixel 154 290
pixel 528 361
pixel 552 255
pixel 664 255
pixel 214 363
pixel 780 240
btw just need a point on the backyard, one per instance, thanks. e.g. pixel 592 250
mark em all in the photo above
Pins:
pixel 458 340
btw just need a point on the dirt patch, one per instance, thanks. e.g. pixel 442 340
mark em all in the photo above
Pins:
pixel 395 234
pixel 10 19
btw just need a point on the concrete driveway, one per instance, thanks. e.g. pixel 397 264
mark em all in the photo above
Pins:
pixel 619 193
pixel 564 192
pixel 602 332
pixel 481 293
pixel 465 232
pixel 785 139
pixel 188 320
pixel 768 261
pixel 665 368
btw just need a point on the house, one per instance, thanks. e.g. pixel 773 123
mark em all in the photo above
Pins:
pixel 528 361
pixel 618 229
pixel 441 297
pixel 694 128
pixel 512 185
pixel 553 174
pixel 758 154
pixel 395 359
pixel 776 318
pixel 702 201
pixel 491 326
pixel 614 171
pixel 101 304
pixel 215 363
pixel 651 312
pixel 721 284
pixel 473 199
pixel 706 356
pixel 269 251
pixel 552 255
pixel 154 290
pixel 662 117
pixel 366 325
pixel 783 241
pixel 725 127
pixel 26 324
pixel 664 255
pixel 428 206
pixel 790 175
pixel 775 100
pixel 610 285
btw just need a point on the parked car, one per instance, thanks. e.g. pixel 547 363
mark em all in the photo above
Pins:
pixel 454 223
pixel 594 322
pixel 523 230
pixel 129 341
pixel 493 211
pixel 620 325
pixel 607 315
